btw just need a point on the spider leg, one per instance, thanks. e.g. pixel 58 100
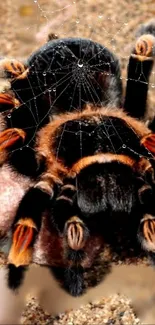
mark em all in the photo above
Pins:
pixel 10 136
pixel 9 68
pixel 149 142
pixel 28 223
pixel 8 102
pixel 66 219
pixel 7 99
pixel 139 70
pixel 146 233
pixel 23 237
pixel 12 67
pixel 74 233
pixel 10 139
pixel 63 202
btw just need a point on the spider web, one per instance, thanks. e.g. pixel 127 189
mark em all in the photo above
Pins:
pixel 71 19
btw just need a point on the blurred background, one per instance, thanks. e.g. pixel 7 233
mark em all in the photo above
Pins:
pixel 26 24
pixel 24 27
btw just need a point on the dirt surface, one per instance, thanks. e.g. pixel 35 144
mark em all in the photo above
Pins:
pixel 24 26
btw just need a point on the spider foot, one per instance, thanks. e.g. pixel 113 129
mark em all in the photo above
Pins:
pixel 76 233
pixel 12 67
pixel 10 136
pixel 147 233
pixel 23 238
pixel 144 48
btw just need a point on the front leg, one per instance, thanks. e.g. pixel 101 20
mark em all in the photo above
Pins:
pixel 146 233
pixel 28 218
pixel 74 233
pixel 70 225
pixel 27 225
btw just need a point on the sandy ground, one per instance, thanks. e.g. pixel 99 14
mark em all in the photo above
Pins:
pixel 24 26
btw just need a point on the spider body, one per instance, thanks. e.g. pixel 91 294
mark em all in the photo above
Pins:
pixel 86 173
pixel 91 164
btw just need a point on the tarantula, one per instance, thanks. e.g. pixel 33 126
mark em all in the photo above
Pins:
pixel 80 171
